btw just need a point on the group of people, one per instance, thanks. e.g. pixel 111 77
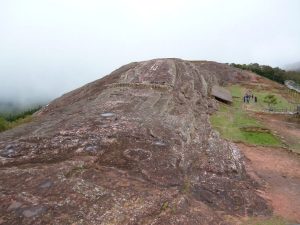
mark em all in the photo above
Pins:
pixel 248 97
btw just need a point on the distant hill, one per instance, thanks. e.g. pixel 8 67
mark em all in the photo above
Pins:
pixel 275 74
pixel 293 67
pixel 13 107
pixel 9 107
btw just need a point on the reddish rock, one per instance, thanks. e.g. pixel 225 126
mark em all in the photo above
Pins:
pixel 135 147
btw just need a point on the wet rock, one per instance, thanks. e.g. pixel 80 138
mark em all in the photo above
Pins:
pixel 14 205
pixel 91 149
pixel 160 143
pixel 107 114
pixel 8 152
pixel 137 154
pixel 46 184
pixel 33 211
pixel 9 147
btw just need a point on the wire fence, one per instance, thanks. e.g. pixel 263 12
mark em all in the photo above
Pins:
pixel 287 110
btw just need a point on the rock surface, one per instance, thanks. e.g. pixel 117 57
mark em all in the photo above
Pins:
pixel 135 147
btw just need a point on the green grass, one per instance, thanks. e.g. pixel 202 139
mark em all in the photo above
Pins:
pixel 282 103
pixel 14 116
pixel 258 138
pixel 9 121
pixel 20 121
pixel 6 125
pixel 269 221
pixel 3 124
pixel 229 119
pixel 236 90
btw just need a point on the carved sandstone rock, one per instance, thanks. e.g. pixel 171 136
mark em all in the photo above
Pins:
pixel 135 147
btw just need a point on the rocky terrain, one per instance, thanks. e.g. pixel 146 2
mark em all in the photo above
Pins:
pixel 135 147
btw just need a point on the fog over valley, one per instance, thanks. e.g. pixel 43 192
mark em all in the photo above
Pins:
pixel 50 47
pixel 161 112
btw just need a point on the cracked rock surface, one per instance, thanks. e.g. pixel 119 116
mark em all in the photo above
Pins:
pixel 135 147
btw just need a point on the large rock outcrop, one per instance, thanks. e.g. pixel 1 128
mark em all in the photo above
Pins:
pixel 135 147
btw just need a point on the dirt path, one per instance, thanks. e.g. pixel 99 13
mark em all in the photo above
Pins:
pixel 279 171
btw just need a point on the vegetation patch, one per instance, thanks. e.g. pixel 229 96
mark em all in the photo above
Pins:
pixel 75 170
pixel 186 187
pixel 275 74
pixel 255 129
pixel 258 138
pixel 275 220
pixel 235 124
pixel 3 124
pixel 164 206
pixel 11 120
pixel 270 99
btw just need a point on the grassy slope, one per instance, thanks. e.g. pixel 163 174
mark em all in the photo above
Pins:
pixel 268 221
pixel 6 125
pixel 12 120
pixel 229 119
pixel 282 103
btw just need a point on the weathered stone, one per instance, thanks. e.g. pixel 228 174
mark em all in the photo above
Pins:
pixel 46 184
pixel 34 211
pixel 108 114
pixel 14 205
pixel 92 149
pixel 137 154
pixel 160 162
pixel 8 152
pixel 159 143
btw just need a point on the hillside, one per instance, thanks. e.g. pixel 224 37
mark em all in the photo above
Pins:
pixel 135 147
pixel 275 74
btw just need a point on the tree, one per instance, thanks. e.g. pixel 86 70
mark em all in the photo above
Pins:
pixel 275 74
pixel 270 100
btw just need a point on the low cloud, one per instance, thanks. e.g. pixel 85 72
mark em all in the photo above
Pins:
pixel 53 46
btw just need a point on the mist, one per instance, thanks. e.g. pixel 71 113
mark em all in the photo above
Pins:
pixel 50 47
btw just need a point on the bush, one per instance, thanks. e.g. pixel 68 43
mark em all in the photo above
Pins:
pixel 270 100
pixel 12 120
pixel 21 115
pixel 3 124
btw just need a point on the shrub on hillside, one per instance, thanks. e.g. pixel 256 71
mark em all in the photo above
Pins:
pixel 21 115
pixel 8 121
pixel 271 100
pixel 3 124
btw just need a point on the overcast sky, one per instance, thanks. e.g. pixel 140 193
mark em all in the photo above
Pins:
pixel 48 47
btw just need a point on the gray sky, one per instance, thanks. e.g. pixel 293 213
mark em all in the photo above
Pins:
pixel 48 47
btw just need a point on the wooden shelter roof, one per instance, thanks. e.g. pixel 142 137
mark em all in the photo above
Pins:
pixel 221 93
